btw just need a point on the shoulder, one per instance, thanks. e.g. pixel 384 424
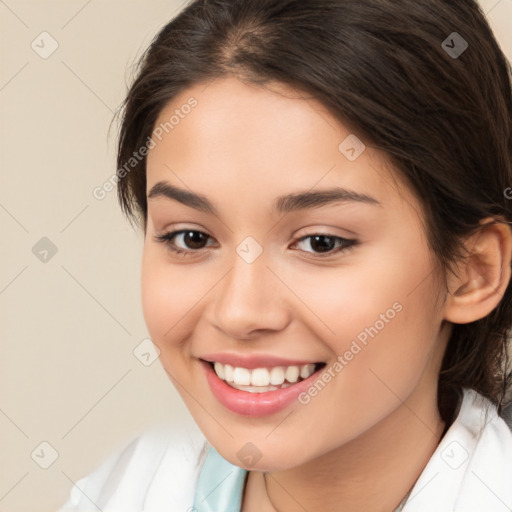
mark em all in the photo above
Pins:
pixel 487 483
pixel 471 469
pixel 155 471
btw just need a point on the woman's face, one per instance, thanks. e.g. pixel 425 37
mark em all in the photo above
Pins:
pixel 342 276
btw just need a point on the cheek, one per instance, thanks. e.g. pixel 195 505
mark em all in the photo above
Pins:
pixel 352 298
pixel 379 361
pixel 168 299
pixel 380 314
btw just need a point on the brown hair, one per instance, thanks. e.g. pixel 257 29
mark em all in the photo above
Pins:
pixel 387 70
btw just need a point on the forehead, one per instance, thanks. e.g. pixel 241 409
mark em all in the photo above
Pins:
pixel 266 140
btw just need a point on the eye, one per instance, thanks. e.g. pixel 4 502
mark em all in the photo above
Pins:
pixel 192 240
pixel 326 244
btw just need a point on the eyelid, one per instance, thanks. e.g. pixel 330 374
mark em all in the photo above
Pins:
pixel 327 230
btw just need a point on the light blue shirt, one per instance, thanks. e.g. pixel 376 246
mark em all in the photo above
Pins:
pixel 220 485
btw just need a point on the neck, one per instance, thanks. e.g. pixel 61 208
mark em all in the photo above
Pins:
pixel 373 472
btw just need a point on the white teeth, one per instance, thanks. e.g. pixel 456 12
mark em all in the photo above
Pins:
pixel 277 375
pixel 228 373
pixel 292 373
pixel 255 389
pixel 260 380
pixel 242 376
pixel 219 370
pixel 307 370
pixel 260 377
pixel 259 389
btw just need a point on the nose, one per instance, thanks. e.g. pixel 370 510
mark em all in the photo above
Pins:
pixel 250 300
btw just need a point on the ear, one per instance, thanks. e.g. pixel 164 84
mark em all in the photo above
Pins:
pixel 481 278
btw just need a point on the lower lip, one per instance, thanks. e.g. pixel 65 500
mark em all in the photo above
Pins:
pixel 254 404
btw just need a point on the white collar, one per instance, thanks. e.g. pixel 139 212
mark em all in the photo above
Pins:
pixel 470 471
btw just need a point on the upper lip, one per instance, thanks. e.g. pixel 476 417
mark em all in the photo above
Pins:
pixel 254 361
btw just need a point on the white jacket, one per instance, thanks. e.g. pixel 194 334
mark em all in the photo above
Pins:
pixel 470 471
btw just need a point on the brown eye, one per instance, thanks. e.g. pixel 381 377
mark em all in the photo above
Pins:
pixel 189 240
pixel 325 244
pixel 194 239
pixel 322 243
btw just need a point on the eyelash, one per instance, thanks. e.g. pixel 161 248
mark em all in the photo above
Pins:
pixel 166 239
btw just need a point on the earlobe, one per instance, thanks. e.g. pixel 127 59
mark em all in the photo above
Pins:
pixel 482 277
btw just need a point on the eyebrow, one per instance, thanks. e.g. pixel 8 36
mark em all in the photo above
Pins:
pixel 283 204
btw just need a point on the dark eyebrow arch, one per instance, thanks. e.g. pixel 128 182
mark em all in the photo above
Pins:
pixel 283 204
pixel 305 200
pixel 196 201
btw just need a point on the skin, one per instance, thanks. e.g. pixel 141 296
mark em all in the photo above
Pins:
pixel 361 443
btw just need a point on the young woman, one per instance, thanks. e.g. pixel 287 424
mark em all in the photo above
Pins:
pixel 325 192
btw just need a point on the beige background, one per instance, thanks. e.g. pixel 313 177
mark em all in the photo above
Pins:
pixel 69 326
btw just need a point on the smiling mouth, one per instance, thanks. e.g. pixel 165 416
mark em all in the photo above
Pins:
pixel 262 380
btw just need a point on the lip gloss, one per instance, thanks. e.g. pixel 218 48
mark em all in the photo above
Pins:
pixel 254 404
